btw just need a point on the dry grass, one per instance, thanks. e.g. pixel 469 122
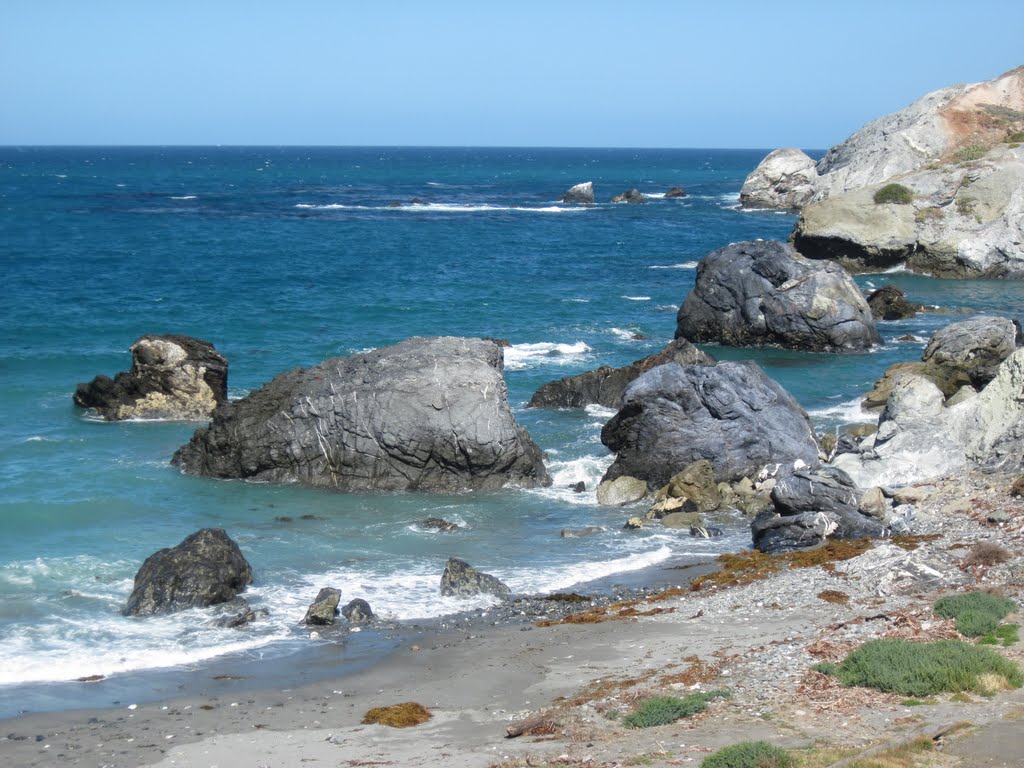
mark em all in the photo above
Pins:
pixel 986 554
pixel 626 609
pixel 834 596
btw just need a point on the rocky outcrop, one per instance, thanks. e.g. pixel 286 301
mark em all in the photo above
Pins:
pixel 922 435
pixel 205 569
pixel 580 193
pixel 762 293
pixel 695 483
pixel 605 385
pixel 172 377
pixel 358 611
pixel 810 506
pixel 460 579
pixel 630 196
pixel 784 180
pixel 731 414
pixel 675 192
pixel 428 414
pixel 890 303
pixel 437 524
pixel 324 608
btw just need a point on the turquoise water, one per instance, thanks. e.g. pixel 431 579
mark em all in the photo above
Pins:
pixel 286 256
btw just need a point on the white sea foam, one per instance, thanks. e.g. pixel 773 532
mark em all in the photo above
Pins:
pixel 565 474
pixel 520 356
pixel 600 411
pixel 637 298
pixel 682 265
pixel 443 208
pixel 184 197
pixel 624 334
pixel 847 412
pixel 577 301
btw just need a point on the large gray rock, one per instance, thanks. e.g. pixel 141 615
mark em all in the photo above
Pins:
pixel 810 506
pixel 172 377
pixel 580 193
pixel 762 293
pixel 632 196
pixel 731 414
pixel 977 347
pixel 460 579
pixel 428 414
pixel 605 385
pixel 784 180
pixel 205 569
pixel 324 608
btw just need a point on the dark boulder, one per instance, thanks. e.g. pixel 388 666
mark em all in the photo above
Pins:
pixel 580 193
pixel 437 524
pixel 890 303
pixel 205 569
pixel 676 192
pixel 238 613
pixel 358 611
pixel 605 385
pixel 324 608
pixel 172 377
pixel 428 414
pixel 810 506
pixel 761 293
pixel 731 414
pixel 632 196
pixel 460 579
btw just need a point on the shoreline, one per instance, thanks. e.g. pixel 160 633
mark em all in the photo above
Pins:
pixel 757 640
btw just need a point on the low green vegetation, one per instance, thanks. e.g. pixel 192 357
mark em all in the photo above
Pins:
pixel 749 754
pixel 976 613
pixel 970 154
pixel 894 193
pixel 925 669
pixel 1004 635
pixel 662 710
pixel 1015 138
pixel 931 213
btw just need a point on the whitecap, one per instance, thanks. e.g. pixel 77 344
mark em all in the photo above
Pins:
pixel 681 265
pixel 520 356
pixel 577 301
pixel 637 298
pixel 184 197
pixel 599 411
pixel 847 412
pixel 621 333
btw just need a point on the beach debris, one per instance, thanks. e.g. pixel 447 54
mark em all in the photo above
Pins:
pixel 541 724
pixel 324 607
pixel 205 569
pixel 460 579
pixel 172 377
pixel 402 715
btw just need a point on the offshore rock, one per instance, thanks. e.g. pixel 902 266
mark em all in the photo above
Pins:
pixel 762 293
pixel 890 303
pixel 324 608
pixel 358 611
pixel 428 414
pixel 605 385
pixel 632 196
pixel 580 193
pixel 460 579
pixel 621 490
pixel 784 180
pixel 675 192
pixel 205 569
pixel 172 377
pixel 731 414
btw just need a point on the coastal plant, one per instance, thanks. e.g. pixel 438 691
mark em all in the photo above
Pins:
pixel 986 553
pixel 662 710
pixel 970 153
pixel 966 206
pixel 749 754
pixel 1015 138
pixel 925 669
pixel 931 213
pixel 1004 635
pixel 976 613
pixel 894 193
pixel 398 715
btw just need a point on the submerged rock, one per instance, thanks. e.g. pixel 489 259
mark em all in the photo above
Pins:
pixel 428 414
pixel 762 293
pixel 675 192
pixel 632 196
pixel 605 385
pixel 460 579
pixel 580 193
pixel 205 569
pixel 731 414
pixel 437 524
pixel 172 377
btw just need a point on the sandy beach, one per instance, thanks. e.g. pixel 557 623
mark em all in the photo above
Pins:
pixel 758 641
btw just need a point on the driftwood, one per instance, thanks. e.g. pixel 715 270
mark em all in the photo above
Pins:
pixel 541 722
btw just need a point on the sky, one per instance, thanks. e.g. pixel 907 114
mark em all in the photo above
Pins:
pixel 656 73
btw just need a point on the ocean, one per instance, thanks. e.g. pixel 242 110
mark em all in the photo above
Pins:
pixel 283 257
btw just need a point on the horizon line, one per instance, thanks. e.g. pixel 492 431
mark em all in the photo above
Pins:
pixel 385 146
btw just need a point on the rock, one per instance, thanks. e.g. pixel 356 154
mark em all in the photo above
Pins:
pixel 1017 488
pixel 762 293
pixel 437 524
pixel 579 533
pixel 890 303
pixel 428 414
pixel 172 377
pixel 621 490
pixel 682 520
pixel 238 613
pixel 976 346
pixel 709 532
pixel 358 611
pixel 668 505
pixel 503 343
pixel 460 579
pixel 784 180
pixel 810 506
pixel 605 385
pixel 893 570
pixel 630 196
pixel 675 192
pixel 874 504
pixel 579 487
pixel 205 569
pixel 324 607
pixel 910 495
pixel 731 414
pixel 697 483
pixel 580 193
pixel 634 523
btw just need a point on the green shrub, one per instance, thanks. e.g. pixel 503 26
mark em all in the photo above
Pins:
pixel 893 193
pixel 662 710
pixel 925 669
pixel 1004 635
pixel 971 153
pixel 976 613
pixel 749 754
pixel 1015 138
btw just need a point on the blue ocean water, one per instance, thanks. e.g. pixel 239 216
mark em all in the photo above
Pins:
pixel 286 256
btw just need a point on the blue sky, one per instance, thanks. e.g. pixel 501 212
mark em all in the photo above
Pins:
pixel 627 74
